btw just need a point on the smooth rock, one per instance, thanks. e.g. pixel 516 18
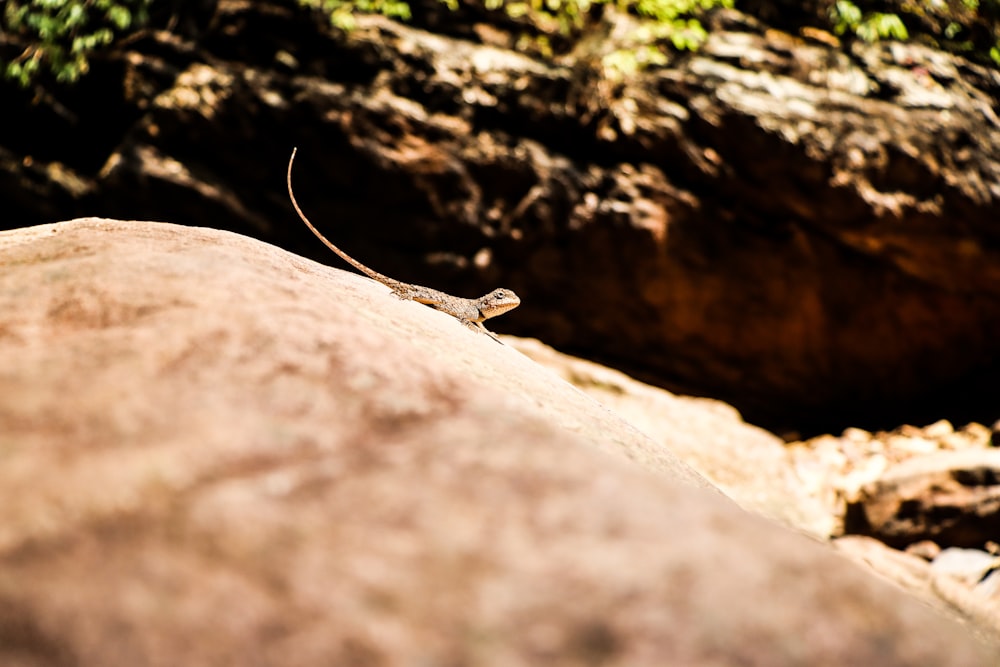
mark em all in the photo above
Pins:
pixel 967 565
pixel 213 452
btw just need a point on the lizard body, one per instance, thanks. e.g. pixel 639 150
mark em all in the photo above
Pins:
pixel 470 312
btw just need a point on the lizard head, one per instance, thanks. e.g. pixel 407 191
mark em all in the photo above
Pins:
pixel 497 302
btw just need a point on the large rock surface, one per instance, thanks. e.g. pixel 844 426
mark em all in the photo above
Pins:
pixel 750 465
pixel 215 452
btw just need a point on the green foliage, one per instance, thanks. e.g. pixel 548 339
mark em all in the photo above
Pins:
pixel 969 27
pixel 341 12
pixel 56 37
pixel 670 21
pixel 622 63
pixel 671 10
pixel 560 15
pixel 871 27
pixel 878 26
pixel 674 18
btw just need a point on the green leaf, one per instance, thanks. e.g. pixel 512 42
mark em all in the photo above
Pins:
pixel 882 26
pixel 60 35
pixel 845 16
pixel 120 16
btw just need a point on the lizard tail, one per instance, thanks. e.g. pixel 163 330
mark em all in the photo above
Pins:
pixel 347 258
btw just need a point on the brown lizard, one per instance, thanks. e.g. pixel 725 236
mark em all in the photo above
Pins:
pixel 470 312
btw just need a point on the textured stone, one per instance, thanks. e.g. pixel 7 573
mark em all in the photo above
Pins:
pixel 215 452
pixel 952 498
pixel 749 464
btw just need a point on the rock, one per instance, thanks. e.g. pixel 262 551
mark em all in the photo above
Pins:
pixel 917 576
pixel 925 549
pixel 952 498
pixel 990 587
pixel 911 445
pixel 857 435
pixel 939 430
pixel 971 435
pixel 801 228
pixel 216 452
pixel 969 566
pixel 749 464
pixel 835 469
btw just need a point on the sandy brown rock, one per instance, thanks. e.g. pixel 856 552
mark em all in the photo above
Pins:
pixel 916 575
pixel 215 452
pixel 749 464
pixel 951 497
pixel 838 470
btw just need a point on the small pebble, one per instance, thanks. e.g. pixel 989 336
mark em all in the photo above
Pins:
pixel 926 549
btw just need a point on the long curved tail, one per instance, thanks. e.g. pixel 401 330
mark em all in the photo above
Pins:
pixel 371 273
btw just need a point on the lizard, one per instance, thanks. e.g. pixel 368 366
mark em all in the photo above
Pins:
pixel 470 312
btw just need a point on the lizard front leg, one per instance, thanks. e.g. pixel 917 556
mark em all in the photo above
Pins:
pixel 479 328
